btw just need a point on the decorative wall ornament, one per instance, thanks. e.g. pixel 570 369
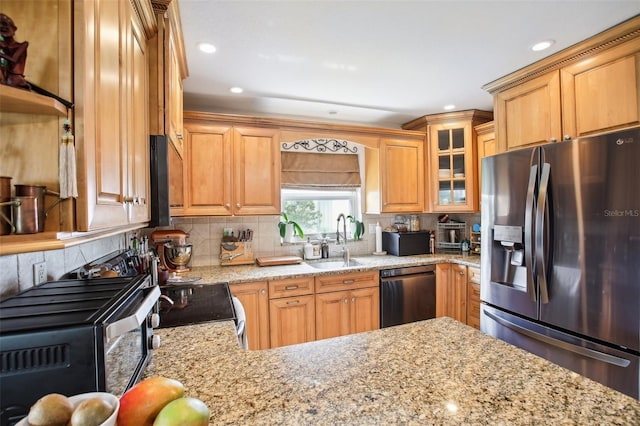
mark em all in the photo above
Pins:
pixel 321 145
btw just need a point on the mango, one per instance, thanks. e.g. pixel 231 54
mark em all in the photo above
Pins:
pixel 183 412
pixel 140 405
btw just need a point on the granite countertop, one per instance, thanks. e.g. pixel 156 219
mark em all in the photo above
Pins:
pixel 250 273
pixel 437 371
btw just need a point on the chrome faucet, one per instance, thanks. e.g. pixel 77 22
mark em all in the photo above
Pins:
pixel 345 251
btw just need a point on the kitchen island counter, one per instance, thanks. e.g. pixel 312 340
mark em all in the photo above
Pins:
pixel 430 372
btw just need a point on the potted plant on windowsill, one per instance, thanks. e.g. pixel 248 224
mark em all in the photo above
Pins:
pixel 358 230
pixel 289 229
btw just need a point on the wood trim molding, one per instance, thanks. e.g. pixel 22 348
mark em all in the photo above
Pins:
pixel 146 16
pixel 476 116
pixel 485 128
pixel 607 39
pixel 293 130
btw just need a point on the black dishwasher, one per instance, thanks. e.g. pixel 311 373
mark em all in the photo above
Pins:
pixel 407 295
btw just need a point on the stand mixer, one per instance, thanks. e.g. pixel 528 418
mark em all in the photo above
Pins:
pixel 172 248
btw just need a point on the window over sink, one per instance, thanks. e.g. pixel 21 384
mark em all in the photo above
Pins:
pixel 316 210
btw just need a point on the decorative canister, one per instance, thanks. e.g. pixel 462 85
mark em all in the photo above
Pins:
pixel 414 223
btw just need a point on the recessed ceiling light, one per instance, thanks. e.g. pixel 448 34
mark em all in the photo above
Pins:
pixel 542 45
pixel 206 47
pixel 236 90
pixel 449 107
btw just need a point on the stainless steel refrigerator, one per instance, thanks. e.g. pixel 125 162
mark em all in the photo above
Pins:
pixel 560 260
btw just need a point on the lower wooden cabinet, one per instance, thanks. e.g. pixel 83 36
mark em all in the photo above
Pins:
pixel 340 313
pixel 451 291
pixel 255 300
pixel 291 311
pixel 473 297
pixel 458 293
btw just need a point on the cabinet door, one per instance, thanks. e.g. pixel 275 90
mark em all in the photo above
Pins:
pixel 601 93
pixel 291 320
pixel 365 309
pixel 459 287
pixel 254 298
pixel 332 314
pixel 100 133
pixel 486 146
pixel 529 114
pixel 137 194
pixel 473 297
pixel 256 171
pixel 451 291
pixel 174 101
pixel 402 175
pixel 453 167
pixel 208 169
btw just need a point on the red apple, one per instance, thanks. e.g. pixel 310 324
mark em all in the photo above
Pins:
pixel 140 405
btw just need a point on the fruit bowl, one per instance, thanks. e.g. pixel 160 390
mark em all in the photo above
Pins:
pixel 77 399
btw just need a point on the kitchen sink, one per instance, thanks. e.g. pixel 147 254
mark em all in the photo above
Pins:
pixel 333 264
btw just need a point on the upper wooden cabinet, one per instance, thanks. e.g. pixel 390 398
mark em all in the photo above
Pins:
pixel 402 175
pixel 590 88
pixel 168 68
pixel 111 88
pixel 226 171
pixel 452 180
pixel 486 147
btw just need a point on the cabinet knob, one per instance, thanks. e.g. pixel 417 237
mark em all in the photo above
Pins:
pixel 346 301
pixel 179 135
pixel 238 205
pixel 228 205
pixel 353 299
pixel 566 138
pixel 461 273
pixel 263 291
pixel 553 140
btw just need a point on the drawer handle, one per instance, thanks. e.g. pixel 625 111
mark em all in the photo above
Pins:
pixel 291 287
pixel 348 281
pixel 293 302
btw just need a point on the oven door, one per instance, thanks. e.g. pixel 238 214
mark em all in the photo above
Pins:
pixel 128 340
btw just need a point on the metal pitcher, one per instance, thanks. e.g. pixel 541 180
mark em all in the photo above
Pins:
pixel 24 215
pixel 39 192
pixel 5 205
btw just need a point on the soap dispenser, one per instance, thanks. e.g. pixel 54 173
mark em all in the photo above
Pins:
pixel 308 249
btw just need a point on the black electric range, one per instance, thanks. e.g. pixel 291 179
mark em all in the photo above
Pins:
pixel 193 303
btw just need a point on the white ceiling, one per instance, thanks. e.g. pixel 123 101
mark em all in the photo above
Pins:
pixel 379 63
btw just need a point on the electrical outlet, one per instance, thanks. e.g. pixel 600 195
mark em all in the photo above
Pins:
pixel 372 228
pixel 39 273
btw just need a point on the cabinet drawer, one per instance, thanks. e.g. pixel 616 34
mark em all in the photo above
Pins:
pixel 473 292
pixel 290 287
pixel 348 281
pixel 474 275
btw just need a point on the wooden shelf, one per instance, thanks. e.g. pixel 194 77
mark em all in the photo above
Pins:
pixel 26 102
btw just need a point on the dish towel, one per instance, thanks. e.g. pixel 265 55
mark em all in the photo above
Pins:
pixel 67 164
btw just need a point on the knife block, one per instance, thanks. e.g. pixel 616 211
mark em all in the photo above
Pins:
pixel 236 253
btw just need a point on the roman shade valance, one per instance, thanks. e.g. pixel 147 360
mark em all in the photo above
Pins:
pixel 307 170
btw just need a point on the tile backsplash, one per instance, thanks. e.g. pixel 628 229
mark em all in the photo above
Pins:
pixel 205 233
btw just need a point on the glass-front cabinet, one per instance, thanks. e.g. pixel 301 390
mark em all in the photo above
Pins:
pixel 451 167
pixel 451 170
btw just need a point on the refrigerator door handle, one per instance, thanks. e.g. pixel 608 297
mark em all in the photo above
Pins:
pixel 528 231
pixel 590 353
pixel 540 231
